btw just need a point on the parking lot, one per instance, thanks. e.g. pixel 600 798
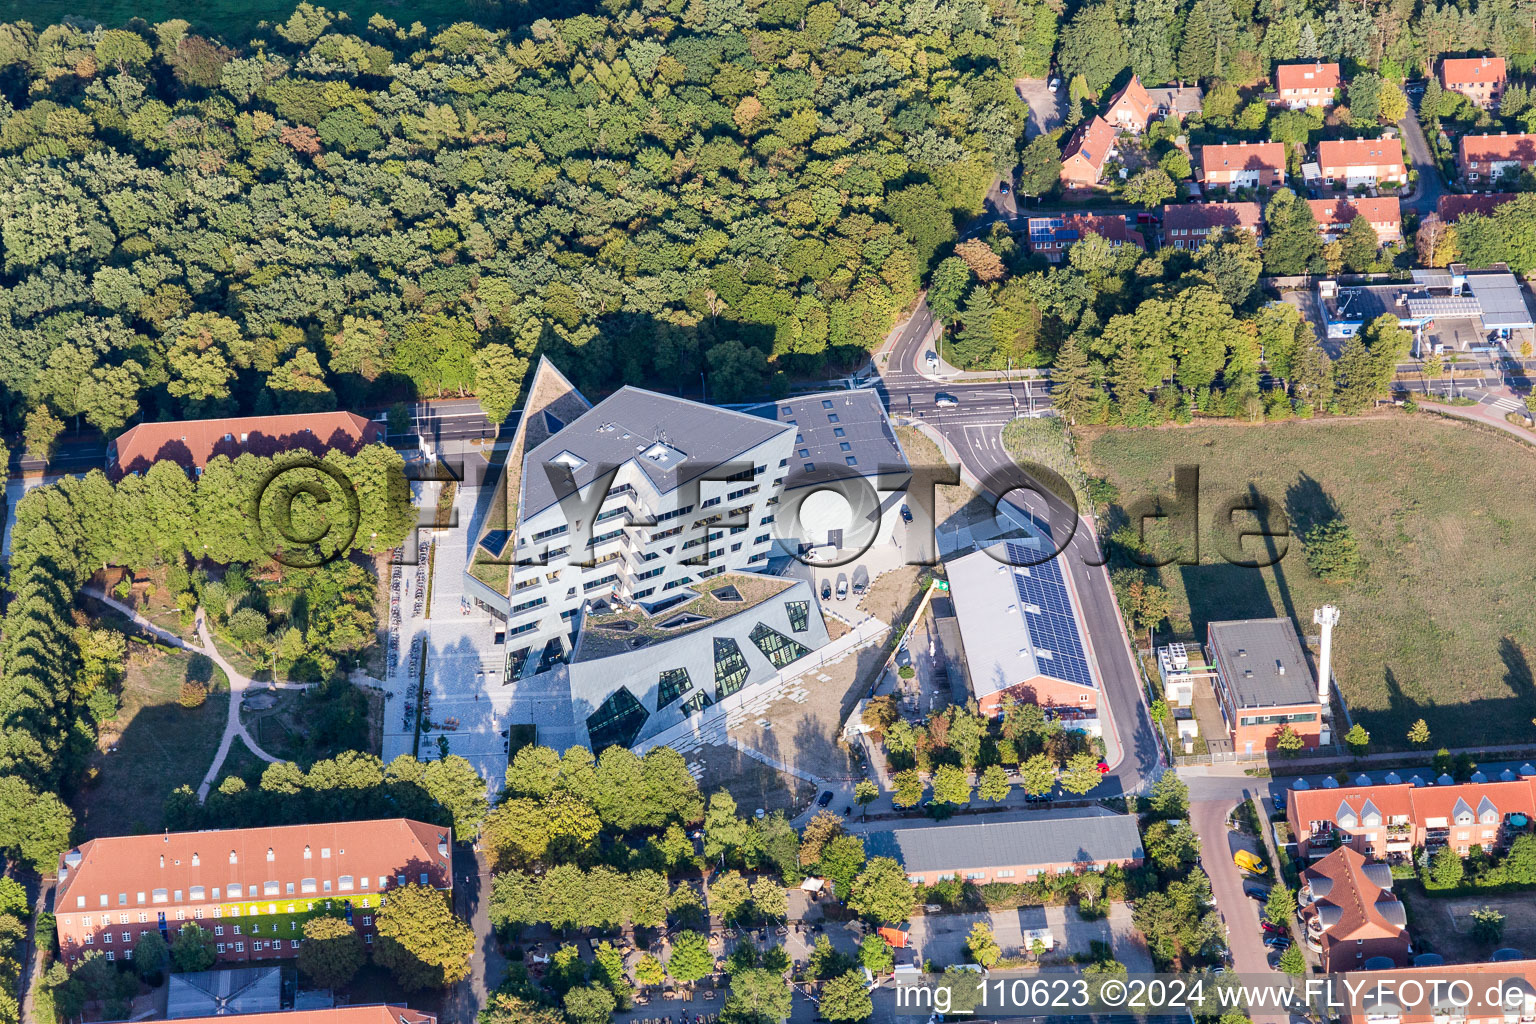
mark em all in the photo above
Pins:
pixel 1046 109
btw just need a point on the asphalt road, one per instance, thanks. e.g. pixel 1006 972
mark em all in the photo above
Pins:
pixel 973 428
pixel 1428 188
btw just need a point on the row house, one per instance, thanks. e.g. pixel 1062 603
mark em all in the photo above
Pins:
pixel 1298 86
pixel 1381 994
pixel 252 888
pixel 1486 158
pixel 1243 164
pixel 1188 225
pixel 1383 213
pixel 1351 917
pixel 1352 162
pixel 1453 206
pixel 1385 822
pixel 1479 79
pixel 1082 162
pixel 1052 236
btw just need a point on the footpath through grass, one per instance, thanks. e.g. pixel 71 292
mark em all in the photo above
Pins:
pixel 1439 623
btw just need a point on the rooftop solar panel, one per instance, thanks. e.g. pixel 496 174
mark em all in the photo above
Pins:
pixel 1047 610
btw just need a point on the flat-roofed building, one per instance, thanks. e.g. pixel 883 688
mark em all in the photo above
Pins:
pixel 253 888
pixel 1264 682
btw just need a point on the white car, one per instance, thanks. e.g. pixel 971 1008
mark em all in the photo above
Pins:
pixel 1055 84
pixel 933 360
pixel 944 401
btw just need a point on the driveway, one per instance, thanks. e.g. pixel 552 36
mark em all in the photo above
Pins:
pixel 1241 914
pixel 1428 188
pixel 1046 109
pixel 941 937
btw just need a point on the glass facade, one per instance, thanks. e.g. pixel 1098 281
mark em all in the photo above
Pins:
pixel 799 615
pixel 617 721
pixel 776 647
pixel 674 683
pixel 730 667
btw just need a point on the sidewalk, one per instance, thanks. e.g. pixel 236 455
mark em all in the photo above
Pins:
pixel 1479 414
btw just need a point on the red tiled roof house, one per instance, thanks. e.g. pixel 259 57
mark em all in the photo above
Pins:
pixel 1453 206
pixel 1052 236
pixel 253 888
pixel 1132 108
pixel 192 443
pixel 1486 158
pixel 1306 85
pixel 1243 164
pixel 1382 213
pixel 1479 79
pixel 1082 163
pixel 1352 162
pixel 1386 822
pixel 1188 225
pixel 1350 913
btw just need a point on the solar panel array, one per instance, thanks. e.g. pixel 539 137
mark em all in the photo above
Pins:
pixel 1053 627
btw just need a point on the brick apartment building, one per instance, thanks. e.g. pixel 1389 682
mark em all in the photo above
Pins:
pixel 1376 1006
pixel 1386 822
pixel 1243 164
pixel 1479 79
pixel 1306 85
pixel 192 443
pixel 1051 236
pixel 1264 683
pixel 1350 914
pixel 1485 158
pixel 1351 162
pixel 1383 213
pixel 252 888
pixel 1068 841
pixel 1188 225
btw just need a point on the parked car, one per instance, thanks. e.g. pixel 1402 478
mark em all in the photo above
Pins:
pixel 1278 941
pixel 1055 84
pixel 1249 861
pixel 842 585
pixel 826 590
pixel 1002 188
pixel 1274 959
pixel 860 580
pixel 933 360
pixel 825 799
pixel 1256 892
pixel 903 657
pixel 1274 929
pixel 906 514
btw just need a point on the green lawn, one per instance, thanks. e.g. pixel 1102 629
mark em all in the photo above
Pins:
pixel 235 22
pixel 160 745
pixel 1438 625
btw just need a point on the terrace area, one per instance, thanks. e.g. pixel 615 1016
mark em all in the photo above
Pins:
pixel 617 632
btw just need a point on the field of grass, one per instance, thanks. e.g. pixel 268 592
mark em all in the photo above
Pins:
pixel 160 745
pixel 1438 624
pixel 235 23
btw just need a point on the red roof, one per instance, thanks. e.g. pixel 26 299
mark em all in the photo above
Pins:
pixel 1379 210
pixel 341 857
pixel 378 1013
pixel 1503 146
pixel 1454 207
pixel 1133 99
pixel 1307 76
pixel 1238 156
pixel 1424 1011
pixel 1471 70
pixel 1091 143
pixel 1351 903
pixel 192 443
pixel 1212 216
pixel 1359 153
pixel 1418 802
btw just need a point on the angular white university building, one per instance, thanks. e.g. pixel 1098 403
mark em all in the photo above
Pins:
pixel 672 503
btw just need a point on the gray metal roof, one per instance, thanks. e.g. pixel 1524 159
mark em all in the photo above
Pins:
pixel 1042 838
pixel 1262 662
pixel 1501 298
pixel 830 429
pixel 231 991
pixel 996 632
pixel 671 439
pixel 1461 307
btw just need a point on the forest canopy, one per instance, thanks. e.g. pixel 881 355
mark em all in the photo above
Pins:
pixel 350 212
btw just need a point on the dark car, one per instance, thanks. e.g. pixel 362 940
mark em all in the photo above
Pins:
pixel 906 514
pixel 1002 187
pixel 1256 892
pixel 1278 941
pixel 824 799
pixel 826 590
pixel 1274 960
pixel 903 657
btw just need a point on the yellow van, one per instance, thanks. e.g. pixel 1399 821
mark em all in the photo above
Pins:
pixel 1248 861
